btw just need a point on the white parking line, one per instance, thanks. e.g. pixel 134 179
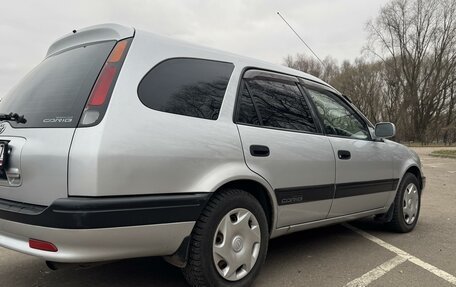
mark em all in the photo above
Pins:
pixel 377 272
pixel 434 270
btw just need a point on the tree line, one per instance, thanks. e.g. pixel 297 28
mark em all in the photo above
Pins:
pixel 406 74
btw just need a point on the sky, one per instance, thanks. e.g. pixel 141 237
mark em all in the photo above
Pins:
pixel 251 28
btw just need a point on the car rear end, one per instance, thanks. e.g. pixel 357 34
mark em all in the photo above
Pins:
pixel 71 90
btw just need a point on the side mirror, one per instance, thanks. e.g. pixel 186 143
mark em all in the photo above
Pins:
pixel 385 130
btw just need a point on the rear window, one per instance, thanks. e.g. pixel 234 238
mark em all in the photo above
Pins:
pixel 54 94
pixel 189 87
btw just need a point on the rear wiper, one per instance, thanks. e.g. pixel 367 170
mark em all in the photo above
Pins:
pixel 13 117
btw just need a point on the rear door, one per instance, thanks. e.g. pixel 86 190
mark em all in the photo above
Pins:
pixel 283 144
pixel 364 174
pixel 51 98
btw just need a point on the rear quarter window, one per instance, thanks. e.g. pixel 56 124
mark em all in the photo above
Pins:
pixel 184 86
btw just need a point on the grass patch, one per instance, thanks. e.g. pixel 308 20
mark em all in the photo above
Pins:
pixel 418 144
pixel 444 153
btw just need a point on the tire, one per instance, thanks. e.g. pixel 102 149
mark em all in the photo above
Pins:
pixel 231 219
pixel 404 219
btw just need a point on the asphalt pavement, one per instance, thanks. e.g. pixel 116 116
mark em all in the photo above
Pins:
pixel 360 253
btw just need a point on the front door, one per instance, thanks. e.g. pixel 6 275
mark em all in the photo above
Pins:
pixel 364 174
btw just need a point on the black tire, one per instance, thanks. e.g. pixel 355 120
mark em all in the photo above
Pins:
pixel 398 222
pixel 200 269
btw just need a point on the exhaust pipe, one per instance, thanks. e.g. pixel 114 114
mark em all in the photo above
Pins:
pixel 54 266
pixel 57 266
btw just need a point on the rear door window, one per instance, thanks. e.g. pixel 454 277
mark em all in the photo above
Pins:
pixel 54 94
pixel 247 111
pixel 184 86
pixel 279 105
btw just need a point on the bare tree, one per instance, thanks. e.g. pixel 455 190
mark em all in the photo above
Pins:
pixel 411 80
pixel 362 82
pixel 326 71
pixel 416 39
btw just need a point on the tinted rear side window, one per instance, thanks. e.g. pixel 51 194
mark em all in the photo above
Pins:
pixel 247 112
pixel 54 94
pixel 190 87
pixel 281 105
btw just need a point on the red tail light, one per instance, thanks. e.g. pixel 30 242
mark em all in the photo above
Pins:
pixel 102 86
pixel 42 245
pixel 101 92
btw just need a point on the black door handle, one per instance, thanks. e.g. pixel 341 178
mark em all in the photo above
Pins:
pixel 344 154
pixel 259 150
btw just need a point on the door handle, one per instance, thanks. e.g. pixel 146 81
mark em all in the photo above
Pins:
pixel 344 154
pixel 259 150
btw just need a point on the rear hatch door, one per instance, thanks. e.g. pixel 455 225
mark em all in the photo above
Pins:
pixel 52 98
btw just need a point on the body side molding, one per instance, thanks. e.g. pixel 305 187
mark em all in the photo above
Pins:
pixel 302 194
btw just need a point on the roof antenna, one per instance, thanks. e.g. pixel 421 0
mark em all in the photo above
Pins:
pixel 302 40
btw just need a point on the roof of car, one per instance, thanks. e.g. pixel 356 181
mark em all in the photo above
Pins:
pixel 117 32
pixel 234 57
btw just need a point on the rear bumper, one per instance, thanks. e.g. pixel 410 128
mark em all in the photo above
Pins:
pixel 93 245
pixel 99 229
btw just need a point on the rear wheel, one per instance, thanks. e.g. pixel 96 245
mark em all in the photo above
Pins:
pixel 407 205
pixel 229 241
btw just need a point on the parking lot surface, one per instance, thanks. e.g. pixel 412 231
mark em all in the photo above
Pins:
pixel 360 253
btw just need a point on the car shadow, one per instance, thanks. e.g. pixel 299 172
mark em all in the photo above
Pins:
pixel 154 271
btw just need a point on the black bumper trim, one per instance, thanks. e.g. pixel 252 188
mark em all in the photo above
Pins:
pixel 107 212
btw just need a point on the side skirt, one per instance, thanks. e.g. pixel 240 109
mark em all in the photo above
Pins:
pixel 324 222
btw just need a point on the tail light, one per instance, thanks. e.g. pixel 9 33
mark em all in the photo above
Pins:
pixel 102 90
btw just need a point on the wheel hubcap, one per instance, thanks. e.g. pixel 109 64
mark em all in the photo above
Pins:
pixel 410 203
pixel 236 244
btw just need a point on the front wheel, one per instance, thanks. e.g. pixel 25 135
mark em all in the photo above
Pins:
pixel 407 205
pixel 229 241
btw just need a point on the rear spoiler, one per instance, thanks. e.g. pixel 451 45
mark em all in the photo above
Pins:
pixel 98 33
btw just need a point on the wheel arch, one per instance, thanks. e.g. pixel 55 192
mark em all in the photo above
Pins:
pixel 258 188
pixel 260 192
pixel 415 170
pixel 412 168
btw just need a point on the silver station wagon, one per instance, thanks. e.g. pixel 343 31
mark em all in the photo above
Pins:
pixel 124 144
